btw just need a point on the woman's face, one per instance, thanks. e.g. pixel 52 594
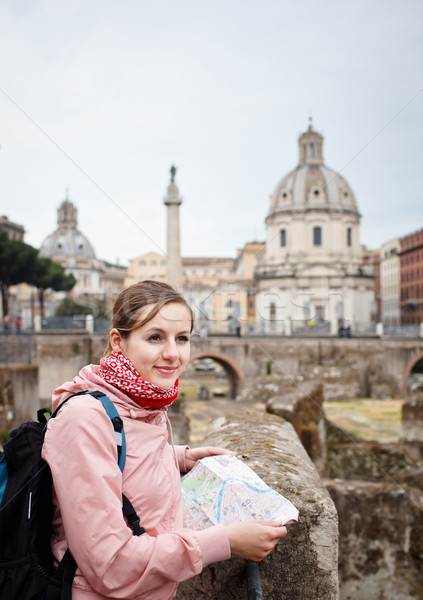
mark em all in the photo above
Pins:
pixel 160 349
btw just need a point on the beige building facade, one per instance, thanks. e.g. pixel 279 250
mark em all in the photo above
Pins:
pixel 220 290
pixel 14 230
pixel 390 282
pixel 151 265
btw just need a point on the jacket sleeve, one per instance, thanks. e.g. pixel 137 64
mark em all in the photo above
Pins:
pixel 81 451
pixel 180 457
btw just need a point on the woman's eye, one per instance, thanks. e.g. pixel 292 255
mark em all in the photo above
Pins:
pixel 155 337
pixel 183 338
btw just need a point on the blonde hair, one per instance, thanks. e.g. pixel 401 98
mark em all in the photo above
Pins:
pixel 133 299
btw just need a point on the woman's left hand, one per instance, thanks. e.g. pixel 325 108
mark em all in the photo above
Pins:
pixel 194 454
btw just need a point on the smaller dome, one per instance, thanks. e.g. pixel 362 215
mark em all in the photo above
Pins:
pixel 312 185
pixel 67 241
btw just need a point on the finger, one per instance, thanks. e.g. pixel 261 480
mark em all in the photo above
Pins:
pixel 269 523
pixel 280 532
pixel 216 450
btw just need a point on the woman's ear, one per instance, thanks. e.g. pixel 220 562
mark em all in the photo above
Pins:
pixel 115 340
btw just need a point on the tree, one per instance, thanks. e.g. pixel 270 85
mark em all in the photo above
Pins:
pixel 68 307
pixel 48 274
pixel 17 261
pixel 20 263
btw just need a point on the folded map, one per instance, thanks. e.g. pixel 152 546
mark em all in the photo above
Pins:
pixel 222 489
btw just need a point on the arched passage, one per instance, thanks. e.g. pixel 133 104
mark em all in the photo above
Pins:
pixel 234 373
pixel 410 367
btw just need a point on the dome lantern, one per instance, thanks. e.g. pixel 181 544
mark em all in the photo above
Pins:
pixel 67 215
pixel 310 148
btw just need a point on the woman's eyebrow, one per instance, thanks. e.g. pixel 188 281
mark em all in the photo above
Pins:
pixel 163 331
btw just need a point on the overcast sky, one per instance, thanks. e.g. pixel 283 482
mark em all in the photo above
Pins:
pixel 102 97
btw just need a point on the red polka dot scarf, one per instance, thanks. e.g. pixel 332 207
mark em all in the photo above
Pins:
pixel 118 370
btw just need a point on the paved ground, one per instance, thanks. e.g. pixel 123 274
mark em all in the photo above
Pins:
pixel 201 412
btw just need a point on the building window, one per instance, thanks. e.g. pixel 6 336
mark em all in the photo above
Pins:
pixel 317 236
pixel 283 237
pixel 272 308
pixel 311 150
pixel 349 236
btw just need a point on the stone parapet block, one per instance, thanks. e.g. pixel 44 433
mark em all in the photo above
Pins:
pixel 304 564
pixel 302 407
pixel 381 539
pixel 412 425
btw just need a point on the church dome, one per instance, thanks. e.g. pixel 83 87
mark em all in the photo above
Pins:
pixel 312 185
pixel 67 241
pixel 313 218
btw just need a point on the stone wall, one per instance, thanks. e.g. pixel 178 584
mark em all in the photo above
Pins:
pixel 304 564
pixel 378 493
pixel 18 395
pixel 412 425
pixel 377 490
pixel 381 539
pixel 347 368
pixel 60 357
pixel 302 407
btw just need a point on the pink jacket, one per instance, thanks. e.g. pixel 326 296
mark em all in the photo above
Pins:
pixel 80 448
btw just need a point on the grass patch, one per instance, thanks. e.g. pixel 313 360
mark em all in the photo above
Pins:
pixel 368 419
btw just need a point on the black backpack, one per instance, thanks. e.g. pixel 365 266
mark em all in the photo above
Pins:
pixel 26 562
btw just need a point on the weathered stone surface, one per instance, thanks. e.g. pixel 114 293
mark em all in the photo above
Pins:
pixel 412 425
pixel 59 358
pixel 302 407
pixel 350 457
pixel 180 422
pixel 18 395
pixel 304 564
pixel 368 460
pixel 381 540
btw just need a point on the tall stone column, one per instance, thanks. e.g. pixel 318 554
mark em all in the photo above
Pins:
pixel 174 261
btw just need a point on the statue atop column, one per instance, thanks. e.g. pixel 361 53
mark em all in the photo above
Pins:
pixel 174 262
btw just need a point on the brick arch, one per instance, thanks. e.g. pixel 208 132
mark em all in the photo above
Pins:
pixel 234 373
pixel 408 371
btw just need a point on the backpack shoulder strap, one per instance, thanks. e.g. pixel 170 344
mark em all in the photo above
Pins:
pixel 113 415
pixel 127 508
pixel 67 567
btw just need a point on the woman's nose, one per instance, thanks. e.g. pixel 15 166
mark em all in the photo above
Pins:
pixel 170 351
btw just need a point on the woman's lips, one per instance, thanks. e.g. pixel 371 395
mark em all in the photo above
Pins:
pixel 166 370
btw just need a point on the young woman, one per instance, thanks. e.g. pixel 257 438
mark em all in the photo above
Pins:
pixel 149 347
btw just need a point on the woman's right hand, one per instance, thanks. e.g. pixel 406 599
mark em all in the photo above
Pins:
pixel 254 540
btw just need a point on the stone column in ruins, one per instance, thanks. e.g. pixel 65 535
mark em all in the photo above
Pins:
pixel 174 261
